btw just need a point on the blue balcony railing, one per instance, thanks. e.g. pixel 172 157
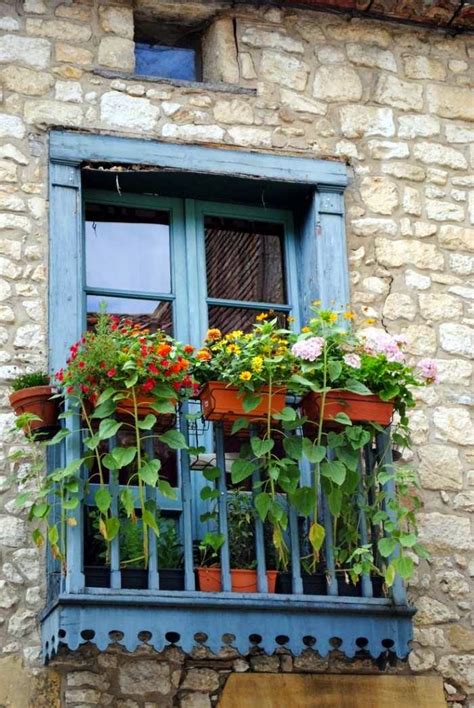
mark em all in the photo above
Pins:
pixel 82 608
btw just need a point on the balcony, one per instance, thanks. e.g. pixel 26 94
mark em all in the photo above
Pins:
pixel 83 609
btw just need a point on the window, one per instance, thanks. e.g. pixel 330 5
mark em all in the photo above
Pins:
pixel 167 50
pixel 182 263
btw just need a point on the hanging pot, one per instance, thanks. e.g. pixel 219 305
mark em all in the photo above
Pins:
pixel 37 400
pixel 242 580
pixel 359 408
pixel 220 401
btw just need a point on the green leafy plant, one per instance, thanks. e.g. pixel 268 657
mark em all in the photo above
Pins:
pixel 36 378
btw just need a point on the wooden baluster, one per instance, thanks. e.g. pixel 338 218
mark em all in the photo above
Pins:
pixel 153 570
pixel 222 506
pixel 189 581
pixel 367 590
pixel 115 574
pixel 262 582
pixel 328 539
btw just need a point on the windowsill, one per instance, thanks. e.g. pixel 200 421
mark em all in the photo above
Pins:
pixel 176 83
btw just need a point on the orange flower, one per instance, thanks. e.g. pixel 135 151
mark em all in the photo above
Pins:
pixel 204 355
pixel 213 334
pixel 188 348
pixel 163 349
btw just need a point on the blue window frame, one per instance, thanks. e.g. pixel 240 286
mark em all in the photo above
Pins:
pixel 314 268
pixel 166 62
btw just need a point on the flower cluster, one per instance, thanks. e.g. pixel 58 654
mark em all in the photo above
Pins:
pixel 428 370
pixel 308 349
pixel 247 360
pixel 118 352
pixel 380 342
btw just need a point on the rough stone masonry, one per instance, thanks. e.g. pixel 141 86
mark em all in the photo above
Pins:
pixel 396 104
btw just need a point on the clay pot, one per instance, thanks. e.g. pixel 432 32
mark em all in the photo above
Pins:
pixel 220 401
pixel 37 400
pixel 242 580
pixel 359 408
pixel 125 410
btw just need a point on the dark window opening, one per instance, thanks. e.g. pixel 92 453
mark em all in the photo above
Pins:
pixel 168 51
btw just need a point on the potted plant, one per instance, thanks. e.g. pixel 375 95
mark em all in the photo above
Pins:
pixel 115 363
pixel 241 531
pixel 33 398
pixel 244 375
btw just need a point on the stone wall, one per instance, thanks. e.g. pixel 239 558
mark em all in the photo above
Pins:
pixel 396 104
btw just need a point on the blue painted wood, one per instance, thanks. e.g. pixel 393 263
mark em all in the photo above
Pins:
pixel 153 570
pixel 130 294
pixel 259 306
pixel 115 574
pixel 165 504
pixel 367 590
pixel 186 493
pixel 162 613
pixel 76 147
pixel 329 539
pixel 332 277
pixel 384 454
pixel 222 507
pixel 296 580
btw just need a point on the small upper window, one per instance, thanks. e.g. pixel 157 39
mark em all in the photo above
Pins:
pixel 167 50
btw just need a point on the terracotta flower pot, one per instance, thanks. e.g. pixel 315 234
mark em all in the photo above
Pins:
pixel 125 410
pixel 220 401
pixel 360 409
pixel 242 580
pixel 37 400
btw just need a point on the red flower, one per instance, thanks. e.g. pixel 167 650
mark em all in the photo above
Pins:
pixel 82 364
pixel 70 389
pixel 152 369
pixel 163 349
pixel 165 363
pixel 188 348
pixel 84 388
pixel 111 373
pixel 177 386
pixel 148 385
pixel 103 365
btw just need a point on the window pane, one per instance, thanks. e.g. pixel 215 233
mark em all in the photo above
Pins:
pixel 166 62
pixel 127 248
pixel 244 260
pixel 228 318
pixel 151 314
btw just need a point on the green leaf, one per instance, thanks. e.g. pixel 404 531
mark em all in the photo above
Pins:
pixel 389 575
pixel 302 381
pixel 408 540
pixel 38 538
pixel 148 472
pixel 261 447
pixel 105 395
pixel 147 423
pixel 335 501
pixel 335 471
pixel 174 439
pixel 214 540
pixel 209 493
pixel 389 391
pixel 334 369
pixel 70 504
pixel 39 510
pixel 349 457
pixel 358 436
pixel 343 419
pixel 163 390
pixel 421 551
pixel 132 381
pixel 404 566
pixel 316 536
pixel 104 410
pixel 387 546
pixel 108 428
pixel 239 424
pixel 103 499
pixel 60 435
pixel 250 401
pixel 119 457
pixel 313 453
pixel 293 447
pixel 287 415
pixel 112 527
pixel 127 501
pixel 53 535
pixel 164 407
pixel 92 442
pixel 211 473
pixel 149 519
pixel 241 469
pixel 262 504
pixel 304 499
pixel 357 387
pixel 166 490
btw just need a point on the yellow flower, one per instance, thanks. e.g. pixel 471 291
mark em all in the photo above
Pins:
pixel 245 376
pixel 235 334
pixel 262 316
pixel 257 364
pixel 333 317
pixel 290 319
pixel 213 334
pixel 370 321
pixel 349 315
pixel 316 303
pixel 233 349
pixel 306 329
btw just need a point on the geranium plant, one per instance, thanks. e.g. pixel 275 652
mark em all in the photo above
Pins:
pixel 119 380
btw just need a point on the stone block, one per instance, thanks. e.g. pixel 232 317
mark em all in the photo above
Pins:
pixel 464 502
pixel 456 238
pixel 27 81
pixel 118 20
pixel 399 306
pixel 359 121
pixel 423 67
pixel 251 136
pixel 457 339
pixel 255 36
pixel 454 424
pixel 459 668
pixel 412 202
pixel 387 149
pixel 374 227
pixel 434 153
pixel 143 676
pixel 373 57
pixel 414 126
pixel 450 101
pixel 284 70
pixel 379 194
pixel 337 83
pixel 117 53
pixel 397 93
pixel 431 611
pixel 438 306
pixel 219 52
pixel 444 211
pixel 394 254
pixel 11 126
pixel 440 467
pixel 53 113
pixel 200 133
pixel 302 104
pixel 402 170
pixel 421 340
pixel 59 29
pixel 74 55
pixel 206 680
pixel 119 110
pixel 234 111
pixel 25 50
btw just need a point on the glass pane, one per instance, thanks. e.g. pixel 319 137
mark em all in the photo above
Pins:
pixel 151 314
pixel 166 62
pixel 228 318
pixel 244 260
pixel 127 248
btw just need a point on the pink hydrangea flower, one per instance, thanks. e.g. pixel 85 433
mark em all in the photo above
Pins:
pixel 428 370
pixel 308 349
pixel 379 342
pixel 352 360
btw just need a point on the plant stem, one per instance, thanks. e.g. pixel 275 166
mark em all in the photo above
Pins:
pixel 140 483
